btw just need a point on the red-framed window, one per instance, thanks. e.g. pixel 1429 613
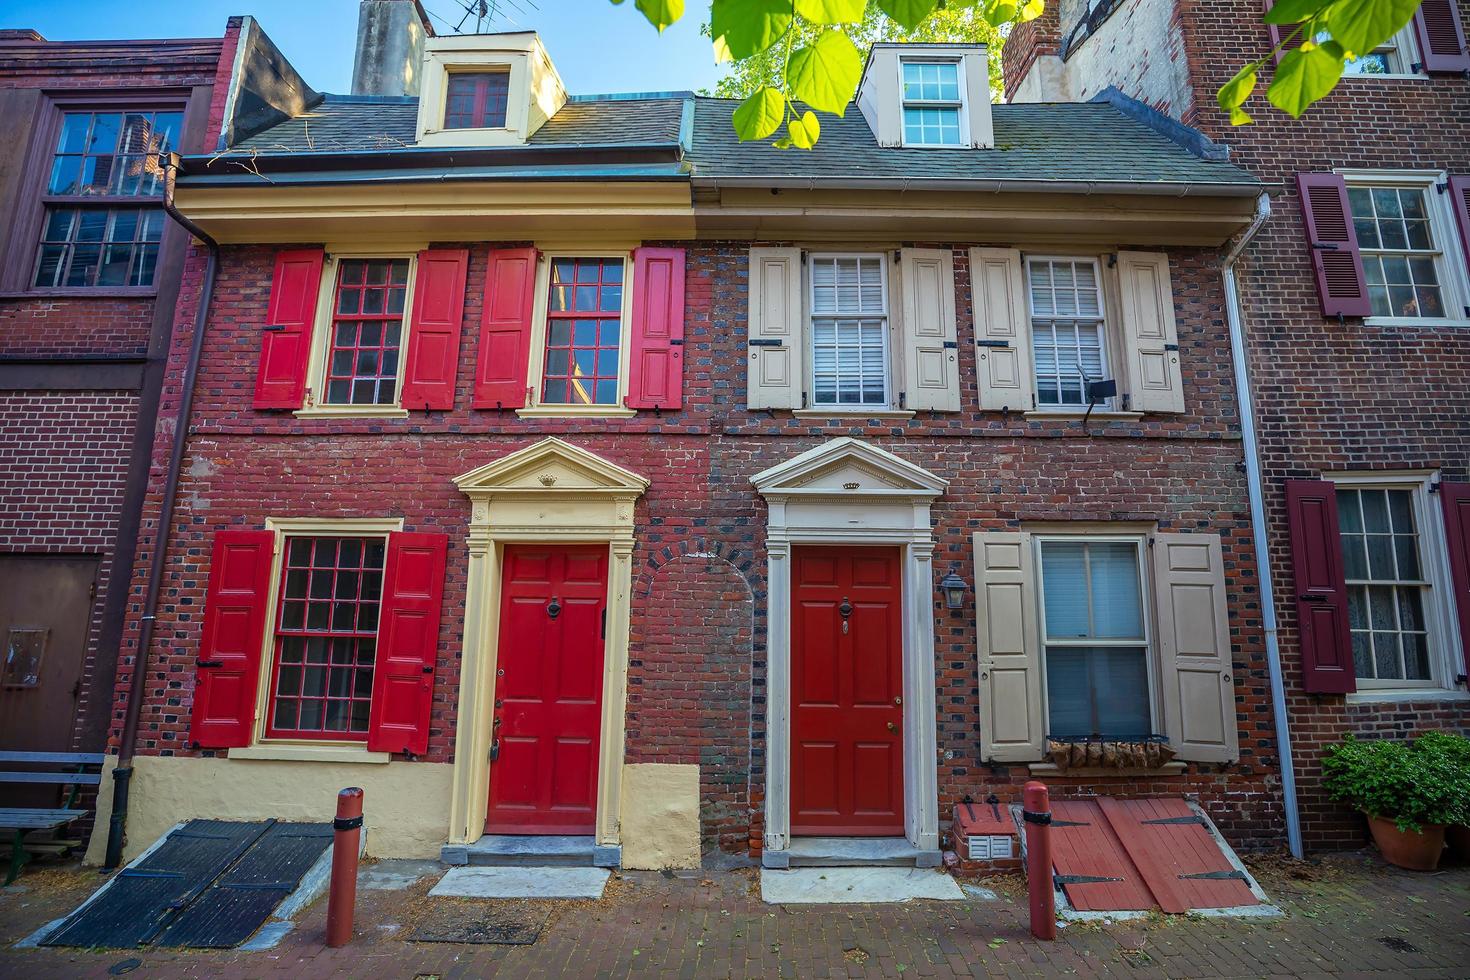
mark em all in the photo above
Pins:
pixel 326 637
pixel 367 332
pixel 584 328
pixel 476 100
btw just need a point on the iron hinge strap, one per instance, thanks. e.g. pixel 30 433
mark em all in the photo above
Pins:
pixel 1175 820
pixel 1060 880
pixel 1215 876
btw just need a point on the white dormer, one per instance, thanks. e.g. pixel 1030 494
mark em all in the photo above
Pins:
pixel 928 95
pixel 486 90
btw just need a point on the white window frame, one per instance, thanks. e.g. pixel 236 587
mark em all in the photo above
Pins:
pixel 1106 314
pixel 1434 562
pixel 1403 54
pixel 1141 542
pixel 1454 277
pixel 961 107
pixel 809 315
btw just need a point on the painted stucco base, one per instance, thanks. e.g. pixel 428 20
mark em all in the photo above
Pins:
pixel 660 816
pixel 405 804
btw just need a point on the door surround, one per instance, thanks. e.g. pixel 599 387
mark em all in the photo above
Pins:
pixel 848 491
pixel 551 492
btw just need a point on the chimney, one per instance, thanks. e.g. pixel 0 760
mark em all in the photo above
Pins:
pixel 390 47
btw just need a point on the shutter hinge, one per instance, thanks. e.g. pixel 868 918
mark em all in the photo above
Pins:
pixel 901 396
pixel 897 256
pixel 676 342
pixel 1443 187
pixel 1172 347
pixel 992 343
pixel 1434 486
pixel 1112 260
pixel 803 399
pixel 803 256
pixel 1416 68
pixel 1325 246
pixel 765 342
pixel 273 327
pixel 1126 396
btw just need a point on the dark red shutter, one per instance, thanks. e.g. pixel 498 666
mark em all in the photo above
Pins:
pixel 235 616
pixel 408 643
pixel 1456 499
pixel 1460 195
pixel 433 329
pixel 505 329
pixel 1321 591
pixel 1441 37
pixel 656 375
pixel 285 339
pixel 1333 243
pixel 1276 31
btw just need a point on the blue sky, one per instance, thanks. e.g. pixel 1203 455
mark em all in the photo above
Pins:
pixel 597 47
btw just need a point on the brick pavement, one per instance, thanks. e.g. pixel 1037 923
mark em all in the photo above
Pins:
pixel 1344 918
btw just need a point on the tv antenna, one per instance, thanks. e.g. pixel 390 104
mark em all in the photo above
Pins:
pixel 486 16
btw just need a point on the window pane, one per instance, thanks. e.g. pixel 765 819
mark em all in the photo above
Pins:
pixel 1400 258
pixel 1097 692
pixel 96 247
pixel 1091 590
pixel 582 359
pixel 476 100
pixel 1117 605
pixel 362 362
pixel 1064 582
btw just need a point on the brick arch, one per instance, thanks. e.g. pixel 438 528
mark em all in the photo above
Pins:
pixel 741 562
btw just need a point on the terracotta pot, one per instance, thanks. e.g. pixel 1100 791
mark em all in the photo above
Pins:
pixel 1458 837
pixel 1407 849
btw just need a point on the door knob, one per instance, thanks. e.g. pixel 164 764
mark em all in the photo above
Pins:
pixel 892 727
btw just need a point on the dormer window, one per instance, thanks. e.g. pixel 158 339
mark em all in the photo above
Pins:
pixel 476 100
pixel 933 103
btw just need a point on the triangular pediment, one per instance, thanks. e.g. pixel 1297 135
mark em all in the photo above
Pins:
pixel 849 466
pixel 552 465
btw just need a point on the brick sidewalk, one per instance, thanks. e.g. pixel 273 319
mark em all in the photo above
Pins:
pixel 1349 916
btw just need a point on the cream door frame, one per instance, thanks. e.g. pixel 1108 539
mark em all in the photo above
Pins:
pixel 851 492
pixel 550 492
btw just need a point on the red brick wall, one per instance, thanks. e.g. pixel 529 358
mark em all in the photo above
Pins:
pixel 66 327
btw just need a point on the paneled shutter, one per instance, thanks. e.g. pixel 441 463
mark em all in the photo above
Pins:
pixel 656 375
pixel 433 329
pixel 1321 589
pixel 505 329
pixel 931 368
pixel 1011 720
pixel 1460 199
pixel 1150 338
pixel 235 616
pixel 776 374
pixel 1456 500
pixel 285 339
pixel 1336 261
pixel 1441 37
pixel 1194 647
pixel 1002 330
pixel 408 643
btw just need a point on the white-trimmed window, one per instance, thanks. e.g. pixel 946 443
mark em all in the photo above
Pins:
pixel 1068 328
pixel 1396 56
pixel 579 360
pixel 361 333
pixel 933 96
pixel 849 330
pixel 1411 257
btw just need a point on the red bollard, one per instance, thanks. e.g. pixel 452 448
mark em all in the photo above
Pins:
pixel 1036 812
pixel 342 894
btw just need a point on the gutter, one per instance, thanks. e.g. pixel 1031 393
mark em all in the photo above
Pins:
pixel 122 775
pixel 995 185
pixel 1258 524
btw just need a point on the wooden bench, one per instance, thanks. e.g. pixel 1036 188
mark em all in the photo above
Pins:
pixel 72 769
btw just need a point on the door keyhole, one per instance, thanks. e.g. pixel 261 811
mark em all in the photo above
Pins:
pixel 846 610
pixel 553 608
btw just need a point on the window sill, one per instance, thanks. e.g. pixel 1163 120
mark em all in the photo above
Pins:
pixel 838 413
pixel 1051 769
pixel 316 752
pixel 1069 414
pixel 1414 321
pixel 81 292
pixel 576 412
pixel 1404 695
pixel 351 412
pixel 1389 76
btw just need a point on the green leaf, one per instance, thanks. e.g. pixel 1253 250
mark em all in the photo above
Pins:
pixel 1362 25
pixel 742 28
pixel 825 75
pixel 804 130
pixel 661 13
pixel 908 13
pixel 1303 77
pixel 1232 94
pixel 1030 10
pixel 831 11
pixel 760 115
pixel 1239 117
pixel 999 12
pixel 1295 11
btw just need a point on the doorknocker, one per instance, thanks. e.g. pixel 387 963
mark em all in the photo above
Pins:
pixel 846 610
pixel 553 609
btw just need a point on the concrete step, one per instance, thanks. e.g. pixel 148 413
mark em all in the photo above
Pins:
pixel 523 851
pixel 857 852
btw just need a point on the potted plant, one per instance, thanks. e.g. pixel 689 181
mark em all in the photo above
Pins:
pixel 1453 752
pixel 1407 796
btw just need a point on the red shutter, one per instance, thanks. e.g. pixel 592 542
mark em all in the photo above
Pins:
pixel 1441 37
pixel 656 377
pixel 1276 31
pixel 235 616
pixel 1321 592
pixel 433 330
pixel 1334 245
pixel 505 328
pixel 1456 499
pixel 408 643
pixel 285 340
pixel 1460 197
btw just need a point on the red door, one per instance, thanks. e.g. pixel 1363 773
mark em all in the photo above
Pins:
pixel 548 691
pixel 847 686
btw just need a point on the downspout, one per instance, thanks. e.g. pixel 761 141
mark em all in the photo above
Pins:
pixel 122 775
pixel 1258 524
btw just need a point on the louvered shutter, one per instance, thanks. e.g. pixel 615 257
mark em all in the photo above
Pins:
pixel 1274 31
pixel 1009 654
pixel 434 328
pixel 930 336
pixel 1460 200
pixel 656 338
pixel 1194 647
pixel 235 617
pixel 1441 37
pixel 505 329
pixel 285 339
pixel 408 643
pixel 1456 500
pixel 1002 330
pixel 775 374
pixel 1336 261
pixel 1321 589
pixel 1150 337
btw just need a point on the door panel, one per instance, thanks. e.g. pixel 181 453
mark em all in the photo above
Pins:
pixel 548 691
pixel 847 712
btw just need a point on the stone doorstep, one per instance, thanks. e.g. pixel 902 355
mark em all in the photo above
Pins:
pixel 850 852
pixel 531 851
pixel 521 882
pixel 847 886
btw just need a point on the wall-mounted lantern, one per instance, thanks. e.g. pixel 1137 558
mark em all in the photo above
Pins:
pixel 954 589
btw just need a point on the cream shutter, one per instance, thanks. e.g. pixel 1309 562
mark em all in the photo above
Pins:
pixel 1011 722
pixel 1150 340
pixel 774 375
pixel 1002 330
pixel 1194 647
pixel 931 374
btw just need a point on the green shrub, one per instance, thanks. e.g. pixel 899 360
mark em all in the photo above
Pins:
pixel 1408 784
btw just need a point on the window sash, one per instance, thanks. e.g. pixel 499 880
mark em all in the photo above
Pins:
pixel 843 319
pixel 476 100
pixel 1070 303
pixel 584 329
pixel 344 374
pixel 100 247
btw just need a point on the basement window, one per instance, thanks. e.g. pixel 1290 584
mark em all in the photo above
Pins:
pixel 476 100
